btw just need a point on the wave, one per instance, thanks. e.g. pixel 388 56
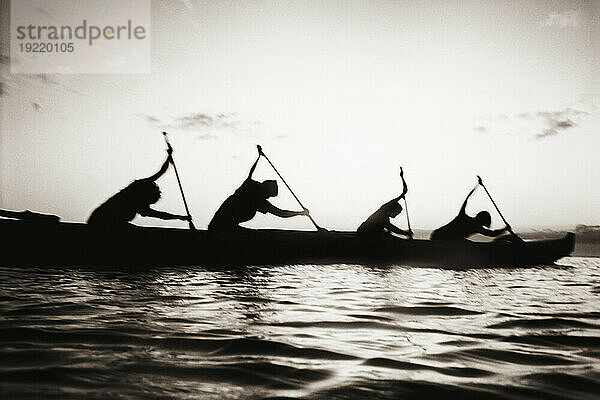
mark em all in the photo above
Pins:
pixel 565 382
pixel 428 310
pixel 339 325
pixel 543 323
pixel 419 389
pixel 587 314
pixel 369 316
pixel 464 372
pixel 63 308
pixel 554 341
pixel 505 356
pixel 265 374
pixel 213 347
pixel 553 386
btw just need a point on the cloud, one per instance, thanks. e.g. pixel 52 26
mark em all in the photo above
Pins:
pixel 155 121
pixel 540 124
pixel 565 19
pixel 207 136
pixel 208 124
pixel 561 114
pixel 17 82
pixel 565 124
pixel 190 121
pixel 217 121
pixel 546 133
pixel 559 121
pixel 150 119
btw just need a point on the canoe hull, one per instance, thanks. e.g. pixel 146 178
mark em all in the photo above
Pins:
pixel 70 244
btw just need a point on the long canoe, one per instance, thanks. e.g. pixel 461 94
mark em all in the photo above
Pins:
pixel 40 244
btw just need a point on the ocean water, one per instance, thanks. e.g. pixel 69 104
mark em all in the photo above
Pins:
pixel 315 332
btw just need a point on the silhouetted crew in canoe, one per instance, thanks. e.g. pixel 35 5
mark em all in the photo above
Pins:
pixel 463 226
pixel 135 199
pixel 250 198
pixel 379 222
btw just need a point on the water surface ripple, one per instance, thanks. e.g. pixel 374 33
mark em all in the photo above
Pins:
pixel 336 332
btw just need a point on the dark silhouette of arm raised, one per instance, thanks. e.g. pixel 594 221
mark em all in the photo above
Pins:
pixel 404 191
pixel 404 187
pixel 464 205
pixel 161 171
pixel 253 167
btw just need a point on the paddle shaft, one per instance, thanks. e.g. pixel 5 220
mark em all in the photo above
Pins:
pixel 291 191
pixel 187 210
pixel 497 209
pixel 406 209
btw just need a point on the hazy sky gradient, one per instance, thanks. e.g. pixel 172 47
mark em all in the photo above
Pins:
pixel 339 93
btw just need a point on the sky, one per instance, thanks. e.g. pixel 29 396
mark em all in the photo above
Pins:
pixel 339 94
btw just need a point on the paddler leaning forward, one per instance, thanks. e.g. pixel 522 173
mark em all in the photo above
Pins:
pixel 121 208
pixel 379 222
pixel 463 225
pixel 251 197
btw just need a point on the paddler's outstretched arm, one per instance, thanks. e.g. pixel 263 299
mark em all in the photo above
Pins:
pixel 150 212
pixel 493 233
pixel 394 229
pixel 271 209
pixel 163 168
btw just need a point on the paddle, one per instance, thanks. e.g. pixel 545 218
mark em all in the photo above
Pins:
pixel 260 152
pixel 405 203
pixel 191 224
pixel 497 209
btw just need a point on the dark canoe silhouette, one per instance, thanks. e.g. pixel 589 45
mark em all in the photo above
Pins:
pixel 30 243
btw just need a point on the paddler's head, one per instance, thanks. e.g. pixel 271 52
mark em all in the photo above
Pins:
pixel 483 218
pixel 270 188
pixel 147 192
pixel 395 209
